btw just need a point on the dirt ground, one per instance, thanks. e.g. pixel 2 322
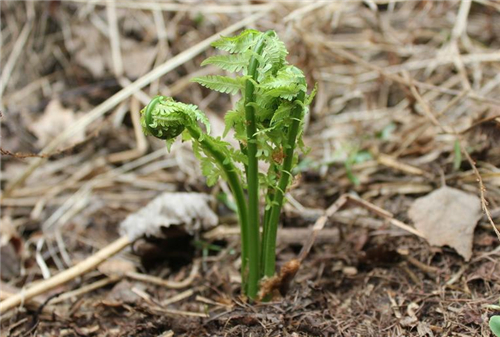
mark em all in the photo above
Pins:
pixel 408 102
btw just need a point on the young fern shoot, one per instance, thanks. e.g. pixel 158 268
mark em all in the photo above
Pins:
pixel 267 122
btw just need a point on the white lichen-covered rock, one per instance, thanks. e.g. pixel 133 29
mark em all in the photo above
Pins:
pixel 190 210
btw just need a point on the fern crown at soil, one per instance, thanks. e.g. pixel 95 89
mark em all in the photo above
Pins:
pixel 268 124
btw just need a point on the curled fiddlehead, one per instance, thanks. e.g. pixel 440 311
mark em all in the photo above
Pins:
pixel 166 119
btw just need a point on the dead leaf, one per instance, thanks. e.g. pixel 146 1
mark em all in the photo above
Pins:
pixel 122 293
pixel 88 48
pixel 93 52
pixel 471 316
pixel 116 267
pixel 138 58
pixel 424 329
pixel 55 120
pixel 485 240
pixel 447 216
pixel 489 271
pixel 408 321
pixel 92 61
pixel 190 210
pixel 11 250
pixel 10 263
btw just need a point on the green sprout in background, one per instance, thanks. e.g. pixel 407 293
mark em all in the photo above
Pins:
pixel 495 325
pixel 495 319
pixel 268 123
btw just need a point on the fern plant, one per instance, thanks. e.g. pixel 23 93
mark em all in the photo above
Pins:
pixel 267 122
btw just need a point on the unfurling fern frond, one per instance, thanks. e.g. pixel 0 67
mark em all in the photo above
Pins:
pixel 275 52
pixel 287 92
pixel 231 63
pixel 237 44
pixel 224 84
pixel 287 83
pixel 284 77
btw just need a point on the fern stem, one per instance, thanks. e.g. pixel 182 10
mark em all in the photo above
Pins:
pixel 237 189
pixel 269 245
pixel 253 174
pixel 267 213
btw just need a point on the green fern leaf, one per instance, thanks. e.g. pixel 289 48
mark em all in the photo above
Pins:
pixel 210 168
pixel 231 63
pixel 275 52
pixel 210 171
pixel 282 114
pixel 288 93
pixel 285 77
pixel 224 84
pixel 235 119
pixel 287 83
pixel 310 97
pixel 238 44
pixel 264 107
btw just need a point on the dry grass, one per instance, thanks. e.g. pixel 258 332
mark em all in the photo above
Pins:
pixel 407 101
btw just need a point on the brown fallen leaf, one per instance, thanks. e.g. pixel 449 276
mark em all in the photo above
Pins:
pixel 11 250
pixel 139 58
pixel 88 49
pixel 122 293
pixel 92 51
pixel 489 271
pixel 116 267
pixel 447 216
pixel 54 121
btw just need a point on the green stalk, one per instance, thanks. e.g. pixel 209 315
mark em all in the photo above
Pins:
pixel 236 187
pixel 269 246
pixel 267 214
pixel 253 175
